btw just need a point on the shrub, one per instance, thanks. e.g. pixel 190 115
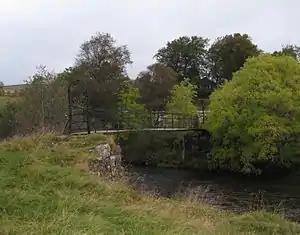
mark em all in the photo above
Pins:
pixel 8 122
pixel 255 117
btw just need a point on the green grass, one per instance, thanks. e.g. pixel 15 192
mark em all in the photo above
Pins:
pixel 45 189
pixel 5 99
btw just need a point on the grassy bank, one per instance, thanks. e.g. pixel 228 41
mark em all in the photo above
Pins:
pixel 45 189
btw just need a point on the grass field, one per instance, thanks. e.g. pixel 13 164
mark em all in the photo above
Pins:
pixel 45 189
pixel 3 100
pixel 11 88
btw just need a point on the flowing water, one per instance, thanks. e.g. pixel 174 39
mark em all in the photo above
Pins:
pixel 238 194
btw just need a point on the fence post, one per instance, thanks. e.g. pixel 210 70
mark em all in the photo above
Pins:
pixel 69 109
pixel 203 112
pixel 151 124
pixel 88 123
pixel 183 149
pixel 87 112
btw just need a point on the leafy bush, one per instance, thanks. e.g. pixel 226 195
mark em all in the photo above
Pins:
pixel 1 88
pixel 8 122
pixel 255 117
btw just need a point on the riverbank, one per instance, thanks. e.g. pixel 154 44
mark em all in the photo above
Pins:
pixel 229 192
pixel 46 189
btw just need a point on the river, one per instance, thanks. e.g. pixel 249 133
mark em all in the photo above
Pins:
pixel 238 194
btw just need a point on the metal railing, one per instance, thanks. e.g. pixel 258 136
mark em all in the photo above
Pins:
pixel 127 120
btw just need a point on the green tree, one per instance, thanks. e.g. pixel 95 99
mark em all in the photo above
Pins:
pixel 8 122
pixel 228 54
pixel 43 103
pixel 186 56
pixel 1 88
pixel 102 56
pixel 182 99
pixel 155 86
pixel 102 63
pixel 78 84
pixel 254 119
pixel 131 112
pixel 289 50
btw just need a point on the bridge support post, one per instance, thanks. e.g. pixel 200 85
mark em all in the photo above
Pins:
pixel 183 149
pixel 88 123
pixel 203 112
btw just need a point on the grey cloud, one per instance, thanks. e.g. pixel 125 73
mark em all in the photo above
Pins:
pixel 52 32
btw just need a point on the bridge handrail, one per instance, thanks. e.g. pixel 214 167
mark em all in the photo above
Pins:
pixel 153 119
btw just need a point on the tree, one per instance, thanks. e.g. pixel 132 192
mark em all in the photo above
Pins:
pixel 186 56
pixel 155 86
pixel 103 64
pixel 131 112
pixel 78 84
pixel 1 88
pixel 228 54
pixel 43 103
pixel 8 122
pixel 289 50
pixel 102 57
pixel 205 88
pixel 254 119
pixel 182 99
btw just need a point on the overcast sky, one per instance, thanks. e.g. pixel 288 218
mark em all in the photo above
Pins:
pixel 50 32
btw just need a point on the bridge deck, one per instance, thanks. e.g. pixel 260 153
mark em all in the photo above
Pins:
pixel 138 130
pixel 83 123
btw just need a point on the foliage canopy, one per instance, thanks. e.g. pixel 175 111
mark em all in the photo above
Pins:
pixel 228 54
pixel 255 117
pixel 182 99
pixel 289 50
pixel 101 62
pixel 130 110
pixel 155 86
pixel 187 57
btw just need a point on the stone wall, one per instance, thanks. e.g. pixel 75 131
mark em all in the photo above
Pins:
pixel 108 162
